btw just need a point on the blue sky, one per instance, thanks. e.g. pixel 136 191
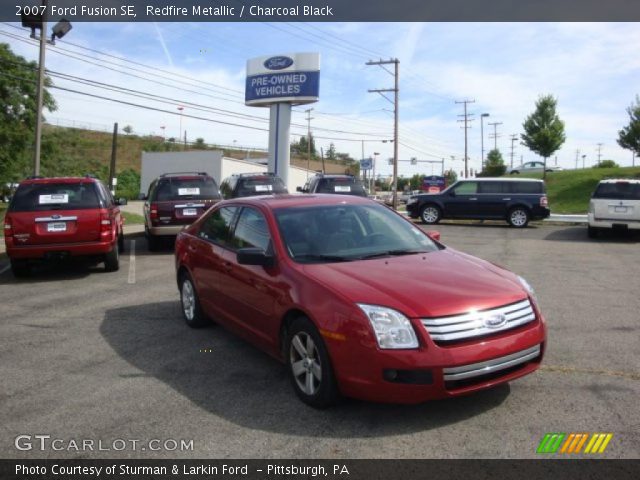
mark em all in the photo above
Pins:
pixel 592 68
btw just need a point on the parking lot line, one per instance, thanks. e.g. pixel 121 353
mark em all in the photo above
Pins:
pixel 4 269
pixel 132 262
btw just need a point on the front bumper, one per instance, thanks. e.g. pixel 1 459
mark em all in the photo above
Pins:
pixel 442 371
pixel 413 209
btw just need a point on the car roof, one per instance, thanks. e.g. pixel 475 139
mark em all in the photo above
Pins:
pixel 616 180
pixel 500 179
pixel 46 180
pixel 278 201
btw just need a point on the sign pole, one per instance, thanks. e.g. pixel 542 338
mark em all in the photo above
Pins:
pixel 279 130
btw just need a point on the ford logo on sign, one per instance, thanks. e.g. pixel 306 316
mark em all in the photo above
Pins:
pixel 278 63
pixel 495 321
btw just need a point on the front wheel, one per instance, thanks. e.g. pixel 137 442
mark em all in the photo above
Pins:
pixel 309 366
pixel 430 214
pixel 191 310
pixel 515 172
pixel 518 217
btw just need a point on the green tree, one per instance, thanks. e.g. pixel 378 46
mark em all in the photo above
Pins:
pixel 451 176
pixel 544 131
pixel 331 153
pixel 199 145
pixel 494 166
pixel 128 129
pixel 629 136
pixel 18 113
pixel 606 164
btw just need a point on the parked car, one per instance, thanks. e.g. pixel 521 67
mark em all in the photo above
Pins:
pixel 53 218
pixel 403 197
pixel 251 184
pixel 320 282
pixel 515 200
pixel 533 167
pixel 615 204
pixel 176 200
pixel 339 184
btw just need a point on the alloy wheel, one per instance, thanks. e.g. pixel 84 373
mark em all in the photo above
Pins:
pixel 305 364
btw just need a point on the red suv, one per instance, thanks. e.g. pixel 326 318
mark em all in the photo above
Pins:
pixel 52 218
pixel 357 300
pixel 176 200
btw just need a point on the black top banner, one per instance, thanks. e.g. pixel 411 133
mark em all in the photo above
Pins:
pixel 325 10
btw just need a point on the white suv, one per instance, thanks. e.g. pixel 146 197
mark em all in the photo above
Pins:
pixel 615 204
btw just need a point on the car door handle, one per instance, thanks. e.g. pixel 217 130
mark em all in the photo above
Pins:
pixel 508 198
pixel 474 198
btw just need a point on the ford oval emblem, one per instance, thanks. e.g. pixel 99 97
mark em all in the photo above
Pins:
pixel 495 321
pixel 278 63
pixel 55 217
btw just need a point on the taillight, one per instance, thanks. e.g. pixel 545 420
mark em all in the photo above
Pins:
pixel 544 202
pixel 8 228
pixel 153 212
pixel 105 223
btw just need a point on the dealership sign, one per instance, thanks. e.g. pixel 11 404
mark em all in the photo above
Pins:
pixel 292 78
pixel 433 183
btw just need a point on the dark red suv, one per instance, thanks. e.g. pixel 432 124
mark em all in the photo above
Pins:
pixel 176 200
pixel 52 218
pixel 357 300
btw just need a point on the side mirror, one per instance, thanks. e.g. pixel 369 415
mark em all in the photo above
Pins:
pixel 299 189
pixel 434 235
pixel 254 256
pixel 122 201
pixel 142 196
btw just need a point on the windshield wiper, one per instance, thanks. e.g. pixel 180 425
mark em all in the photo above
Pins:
pixel 327 258
pixel 391 253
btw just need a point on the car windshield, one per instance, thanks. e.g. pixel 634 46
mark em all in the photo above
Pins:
pixel 36 197
pixel 260 186
pixel 196 188
pixel 341 185
pixel 618 191
pixel 341 233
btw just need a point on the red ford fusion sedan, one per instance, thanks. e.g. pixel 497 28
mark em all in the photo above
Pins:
pixel 357 300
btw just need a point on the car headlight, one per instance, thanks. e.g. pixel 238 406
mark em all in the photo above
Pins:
pixel 412 200
pixel 392 329
pixel 528 288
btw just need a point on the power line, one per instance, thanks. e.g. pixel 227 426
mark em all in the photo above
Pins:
pixel 466 121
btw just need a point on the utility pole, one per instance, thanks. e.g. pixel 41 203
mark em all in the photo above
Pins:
pixel 495 134
pixel 112 166
pixel 309 118
pixel 40 92
pixel 583 160
pixel 577 157
pixel 599 152
pixel 466 127
pixel 395 90
pixel 514 138
pixel 482 117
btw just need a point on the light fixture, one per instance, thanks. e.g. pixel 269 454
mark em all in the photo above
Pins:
pixel 60 29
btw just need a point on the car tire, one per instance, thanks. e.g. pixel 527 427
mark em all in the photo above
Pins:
pixel 430 214
pixel 518 217
pixel 121 242
pixel 592 232
pixel 112 259
pixel 20 268
pixel 191 309
pixel 153 243
pixel 515 172
pixel 309 365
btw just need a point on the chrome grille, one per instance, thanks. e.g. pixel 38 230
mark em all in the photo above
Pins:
pixel 476 324
pixel 496 364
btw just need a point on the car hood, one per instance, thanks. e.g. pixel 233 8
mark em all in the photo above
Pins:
pixel 440 283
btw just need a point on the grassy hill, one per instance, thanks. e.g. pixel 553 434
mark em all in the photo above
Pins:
pixel 569 190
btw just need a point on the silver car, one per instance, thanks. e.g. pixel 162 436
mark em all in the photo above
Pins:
pixel 532 167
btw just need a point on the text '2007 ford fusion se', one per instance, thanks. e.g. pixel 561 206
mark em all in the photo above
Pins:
pixel 356 299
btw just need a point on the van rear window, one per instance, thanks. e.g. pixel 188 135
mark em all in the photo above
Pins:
pixel 618 191
pixel 260 186
pixel 526 187
pixel 55 196
pixel 343 185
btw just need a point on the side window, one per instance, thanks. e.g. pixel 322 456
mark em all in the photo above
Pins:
pixel 251 230
pixel 527 187
pixel 467 188
pixel 217 227
pixel 490 187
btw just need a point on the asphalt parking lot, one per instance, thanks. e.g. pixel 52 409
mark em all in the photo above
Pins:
pixel 92 355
